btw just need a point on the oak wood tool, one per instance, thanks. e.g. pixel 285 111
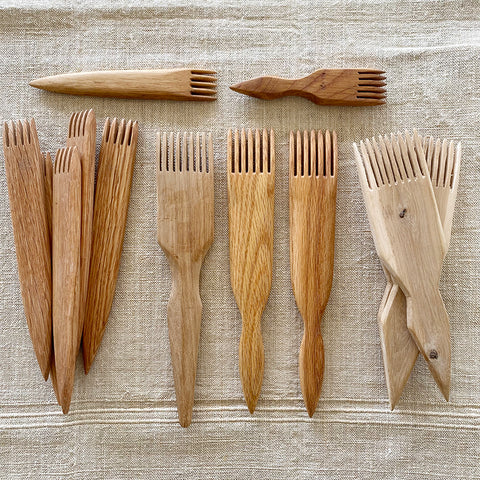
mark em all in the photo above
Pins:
pixel 185 233
pixel 409 239
pixel 25 170
pixel 313 191
pixel 173 84
pixel 82 132
pixel 350 87
pixel 66 238
pixel 250 174
pixel 114 179
pixel 399 349
pixel 48 209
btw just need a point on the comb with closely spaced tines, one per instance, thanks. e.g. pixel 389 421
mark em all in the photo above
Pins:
pixel 175 84
pixel 409 239
pixel 185 233
pixel 350 87
pixel 313 192
pixel 251 179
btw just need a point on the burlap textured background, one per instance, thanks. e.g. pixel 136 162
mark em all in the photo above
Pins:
pixel 122 423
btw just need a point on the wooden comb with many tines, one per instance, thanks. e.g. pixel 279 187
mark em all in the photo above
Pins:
pixel 251 174
pixel 313 192
pixel 185 233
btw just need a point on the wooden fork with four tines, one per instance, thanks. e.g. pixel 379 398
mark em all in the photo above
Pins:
pixel 185 233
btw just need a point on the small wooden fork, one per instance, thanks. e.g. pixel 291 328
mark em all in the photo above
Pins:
pixel 114 179
pixel 66 238
pixel 185 233
pixel 350 87
pixel 313 191
pixel 82 132
pixel 25 170
pixel 175 84
pixel 251 176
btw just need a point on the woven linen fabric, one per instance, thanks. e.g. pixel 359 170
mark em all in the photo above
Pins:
pixel 123 422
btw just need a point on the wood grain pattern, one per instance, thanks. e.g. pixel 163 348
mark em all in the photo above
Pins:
pixel 114 179
pixel 175 84
pixel 48 209
pixel 350 87
pixel 185 233
pixel 25 170
pixel 409 239
pixel 251 177
pixel 82 133
pixel 66 238
pixel 399 349
pixel 312 192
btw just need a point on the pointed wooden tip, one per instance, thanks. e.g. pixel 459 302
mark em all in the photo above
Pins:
pixel 311 407
pixel 237 88
pixel 38 83
pixel 185 419
pixel 251 403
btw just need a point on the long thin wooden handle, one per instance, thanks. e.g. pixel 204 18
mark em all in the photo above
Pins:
pixel 311 363
pixel 184 314
pixel 143 84
pixel 428 323
pixel 251 359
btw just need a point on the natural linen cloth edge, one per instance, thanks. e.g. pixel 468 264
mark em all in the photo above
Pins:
pixel 122 423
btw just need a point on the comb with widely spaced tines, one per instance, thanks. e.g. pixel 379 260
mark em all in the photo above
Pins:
pixel 185 233
pixel 112 194
pixel 350 87
pixel 175 84
pixel 25 169
pixel 66 240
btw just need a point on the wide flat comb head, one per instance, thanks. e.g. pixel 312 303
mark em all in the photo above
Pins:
pixel 251 152
pixel 185 152
pixel 370 87
pixel 20 133
pixel 203 84
pixel 313 154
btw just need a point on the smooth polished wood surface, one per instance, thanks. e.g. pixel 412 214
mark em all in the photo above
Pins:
pixel 350 87
pixel 251 179
pixel 114 179
pixel 313 192
pixel 175 84
pixel 25 171
pixel 185 233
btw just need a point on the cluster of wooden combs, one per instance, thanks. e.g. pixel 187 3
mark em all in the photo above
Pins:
pixel 409 186
pixel 68 236
pixel 185 233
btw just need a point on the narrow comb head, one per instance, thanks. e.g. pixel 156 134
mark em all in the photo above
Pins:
pixel 78 122
pixel 370 86
pixel 251 152
pixel 20 133
pixel 123 133
pixel 313 154
pixel 443 160
pixel 203 84
pixel 185 152
pixel 62 160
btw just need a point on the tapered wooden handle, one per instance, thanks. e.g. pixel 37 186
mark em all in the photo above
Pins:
pixel 184 319
pixel 428 323
pixel 143 84
pixel 251 359
pixel 311 363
